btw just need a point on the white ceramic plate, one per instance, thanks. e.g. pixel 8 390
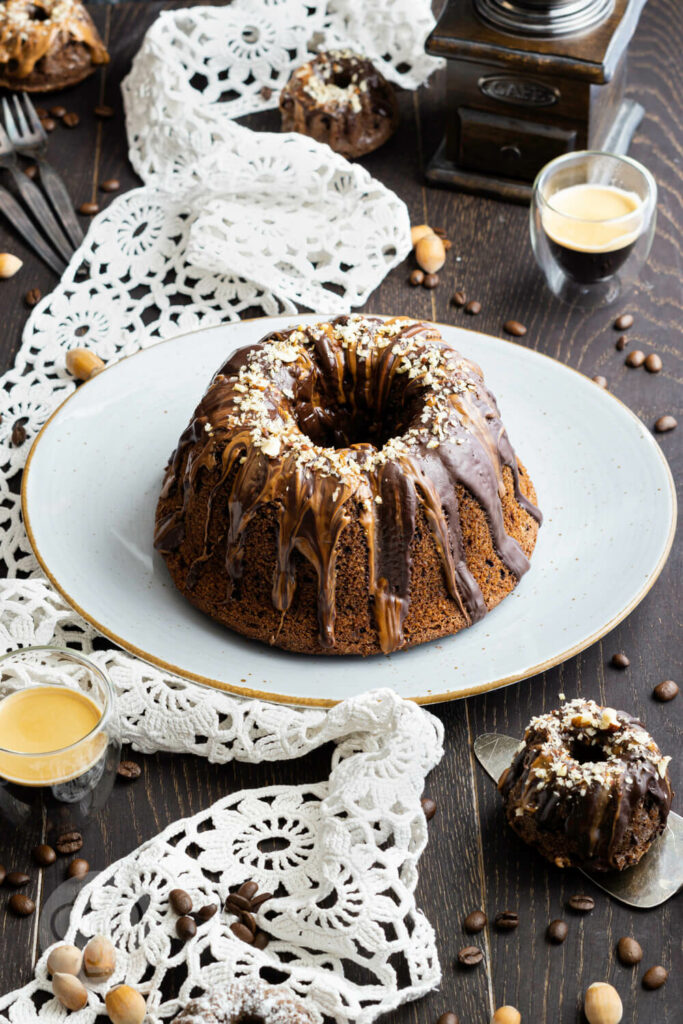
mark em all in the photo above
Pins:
pixel 94 473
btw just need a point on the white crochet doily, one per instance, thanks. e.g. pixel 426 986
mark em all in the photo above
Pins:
pixel 340 858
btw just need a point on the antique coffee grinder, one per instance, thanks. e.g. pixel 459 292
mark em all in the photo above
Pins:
pixel 528 80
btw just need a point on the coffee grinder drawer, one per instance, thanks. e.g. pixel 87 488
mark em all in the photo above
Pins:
pixel 508 146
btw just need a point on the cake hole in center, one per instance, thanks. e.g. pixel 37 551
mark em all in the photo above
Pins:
pixel 588 753
pixel 342 79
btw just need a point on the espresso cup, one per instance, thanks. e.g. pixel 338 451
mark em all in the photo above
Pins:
pixel 592 222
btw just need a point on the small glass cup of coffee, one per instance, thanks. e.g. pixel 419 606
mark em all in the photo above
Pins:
pixel 592 222
pixel 59 740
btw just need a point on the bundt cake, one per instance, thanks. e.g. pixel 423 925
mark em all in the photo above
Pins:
pixel 347 488
pixel 250 1002
pixel 47 45
pixel 588 787
pixel 340 98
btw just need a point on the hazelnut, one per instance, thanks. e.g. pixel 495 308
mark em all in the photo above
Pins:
pixel 70 992
pixel 506 1015
pixel 418 232
pixel 83 363
pixel 602 1004
pixel 125 1005
pixel 430 254
pixel 9 264
pixel 99 958
pixel 64 960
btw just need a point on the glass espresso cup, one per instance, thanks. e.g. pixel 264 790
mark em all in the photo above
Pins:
pixel 592 222
pixel 59 739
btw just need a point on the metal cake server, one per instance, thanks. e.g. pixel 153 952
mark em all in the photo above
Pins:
pixel 654 880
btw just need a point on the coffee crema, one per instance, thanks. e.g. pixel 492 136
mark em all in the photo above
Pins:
pixel 49 722
pixel 592 229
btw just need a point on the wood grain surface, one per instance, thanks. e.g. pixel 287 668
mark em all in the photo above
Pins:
pixel 472 860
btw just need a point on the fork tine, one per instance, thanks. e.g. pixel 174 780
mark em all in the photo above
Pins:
pixel 9 122
pixel 32 116
pixel 5 143
pixel 19 114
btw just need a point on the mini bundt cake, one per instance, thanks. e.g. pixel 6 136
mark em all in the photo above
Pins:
pixel 46 45
pixel 340 98
pixel 249 1001
pixel 588 787
pixel 347 488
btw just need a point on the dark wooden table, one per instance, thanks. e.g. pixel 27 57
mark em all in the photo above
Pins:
pixel 472 860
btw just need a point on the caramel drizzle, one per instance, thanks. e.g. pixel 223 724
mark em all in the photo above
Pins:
pixel 25 39
pixel 333 384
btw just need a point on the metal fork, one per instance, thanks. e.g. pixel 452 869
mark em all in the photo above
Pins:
pixel 33 197
pixel 30 139
pixel 14 213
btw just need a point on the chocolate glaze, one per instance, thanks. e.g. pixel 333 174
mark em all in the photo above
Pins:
pixel 30 29
pixel 328 412
pixel 594 807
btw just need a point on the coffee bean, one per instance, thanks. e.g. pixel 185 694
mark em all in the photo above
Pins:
pixel 581 904
pixel 71 120
pixel 428 807
pixel 665 691
pixel 655 977
pixel 15 879
pixel 237 903
pixel 103 111
pixel 78 868
pixel 206 913
pixel 18 433
pixel 474 922
pixel 635 359
pixel 620 660
pixel 459 299
pixel 41 112
pixel 265 92
pixel 600 381
pixel 44 855
pixel 557 931
pixel 248 890
pixel 129 770
pixel 185 928
pixel 514 327
pixel 629 951
pixel 506 921
pixel 31 170
pixel 21 905
pixel 261 940
pixel 58 111
pixel 88 209
pixel 110 185
pixel 249 920
pixel 622 342
pixel 49 124
pixel 448 1018
pixel 665 423
pixel 623 322
pixel 3 874
pixel 430 281
pixel 180 901
pixel 470 956
pixel 242 932
pixel 261 898
pixel 473 307
pixel 416 277
pixel 653 363
pixel 69 842
pixel 32 297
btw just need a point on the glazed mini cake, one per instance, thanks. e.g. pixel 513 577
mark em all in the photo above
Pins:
pixel 46 45
pixel 588 787
pixel 340 98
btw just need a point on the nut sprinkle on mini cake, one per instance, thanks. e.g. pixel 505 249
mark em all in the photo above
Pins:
pixel 46 45
pixel 347 488
pixel 340 98
pixel 588 787
pixel 247 1000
